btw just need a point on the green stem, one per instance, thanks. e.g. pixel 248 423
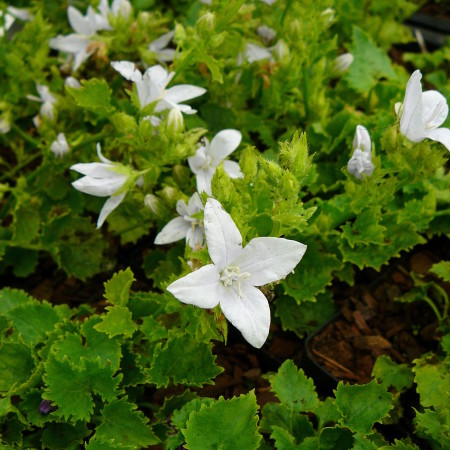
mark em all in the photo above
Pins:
pixel 25 136
pixel 35 247
pixel 19 167
pixel 94 138
pixel 286 9
pixel 444 297
pixel 434 308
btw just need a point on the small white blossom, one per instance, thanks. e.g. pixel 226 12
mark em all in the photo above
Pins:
pixel 235 273
pixel 121 8
pixel 184 226
pixel 254 52
pixel 360 163
pixel 151 87
pixel 72 82
pixel 105 179
pixel 423 113
pixel 60 147
pixel 342 63
pixel 160 49
pixel 47 99
pixel 266 33
pixel 10 17
pixel 5 125
pixel 209 155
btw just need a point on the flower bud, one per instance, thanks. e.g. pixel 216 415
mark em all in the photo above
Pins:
pixel 153 203
pixel 342 63
pixel 206 23
pixel 360 163
pixel 175 123
pixel 5 125
pixel 169 194
pixel 60 147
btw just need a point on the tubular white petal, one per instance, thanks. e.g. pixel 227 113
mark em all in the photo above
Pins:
pixel 248 310
pixel 269 259
pixel 224 143
pixel 128 70
pixel 222 235
pixel 110 205
pixel 200 288
pixel 411 122
pixel 441 135
pixel 100 187
pixel 183 92
pixel 435 109
pixel 232 169
pixel 175 230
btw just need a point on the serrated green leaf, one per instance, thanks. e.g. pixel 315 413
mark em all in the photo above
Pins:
pixel 129 428
pixel 370 63
pixel 94 95
pixel 336 438
pixel 442 270
pixel 26 223
pixel 174 403
pixel 224 424
pixel 283 439
pixel 117 321
pixel 366 229
pixel 64 436
pixel 13 298
pixel 16 365
pixel 389 373
pixel 434 426
pixel 294 388
pixel 117 289
pixel 400 444
pixel 362 405
pixel 72 389
pixel 183 360
pixel 327 412
pixel 431 376
pixel 153 330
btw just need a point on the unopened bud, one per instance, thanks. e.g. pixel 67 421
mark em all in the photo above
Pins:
pixel 175 123
pixel 169 194
pixel 206 22
pixel 180 173
pixel 153 203
pixel 328 14
pixel 342 63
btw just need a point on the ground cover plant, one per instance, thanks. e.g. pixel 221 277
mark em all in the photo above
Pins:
pixel 183 179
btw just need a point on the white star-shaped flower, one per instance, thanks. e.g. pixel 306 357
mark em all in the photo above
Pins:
pixel 235 273
pixel 105 179
pixel 47 99
pixel 160 49
pixel 210 155
pixel 184 226
pixel 60 147
pixel 423 113
pixel 151 87
pixel 360 163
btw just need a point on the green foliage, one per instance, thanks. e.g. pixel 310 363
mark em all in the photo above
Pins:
pixel 117 289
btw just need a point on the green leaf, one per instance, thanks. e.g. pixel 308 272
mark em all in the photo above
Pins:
pixel 72 389
pixel 129 428
pixel 370 63
pixel 389 373
pixel 225 424
pixel 117 321
pixel 117 289
pixel 293 388
pixel 366 229
pixel 94 95
pixel 183 360
pixel 13 298
pixel 434 426
pixel 64 435
pixel 26 223
pixel 16 365
pixel 431 376
pixel 283 439
pixel 442 270
pixel 336 438
pixel 362 405
pixel 327 412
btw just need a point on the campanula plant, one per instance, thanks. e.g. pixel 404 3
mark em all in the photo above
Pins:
pixel 203 173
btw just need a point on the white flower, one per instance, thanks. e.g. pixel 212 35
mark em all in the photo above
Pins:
pixel 184 226
pixel 47 99
pixel 254 52
pixel 423 113
pixel 105 179
pixel 266 33
pixel 360 163
pixel 60 147
pixel 342 63
pixel 232 278
pixel 210 155
pixel 151 87
pixel 160 49
pixel 10 17
pixel 72 82
pixel 5 125
pixel 118 8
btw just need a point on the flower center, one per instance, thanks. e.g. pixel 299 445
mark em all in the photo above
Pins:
pixel 208 162
pixel 231 275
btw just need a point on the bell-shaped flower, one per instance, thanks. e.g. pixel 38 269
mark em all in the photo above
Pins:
pixel 184 226
pixel 360 163
pixel 160 49
pixel 209 155
pixel 235 273
pixel 423 113
pixel 105 179
pixel 60 147
pixel 151 87
pixel 47 99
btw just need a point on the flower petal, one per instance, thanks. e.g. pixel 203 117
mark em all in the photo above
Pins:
pixel 182 92
pixel 175 230
pixel 200 288
pixel 362 139
pixel 128 70
pixel 195 204
pixel 441 135
pixel 195 237
pixel 435 109
pixel 161 42
pixel 232 169
pixel 224 143
pixel 100 187
pixel 411 122
pixel 78 22
pixel 198 160
pixel 269 259
pixel 95 170
pixel 222 235
pixel 249 312
pixel 204 179
pixel 110 205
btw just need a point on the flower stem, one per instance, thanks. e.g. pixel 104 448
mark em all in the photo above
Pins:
pixel 25 136
pixel 434 308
